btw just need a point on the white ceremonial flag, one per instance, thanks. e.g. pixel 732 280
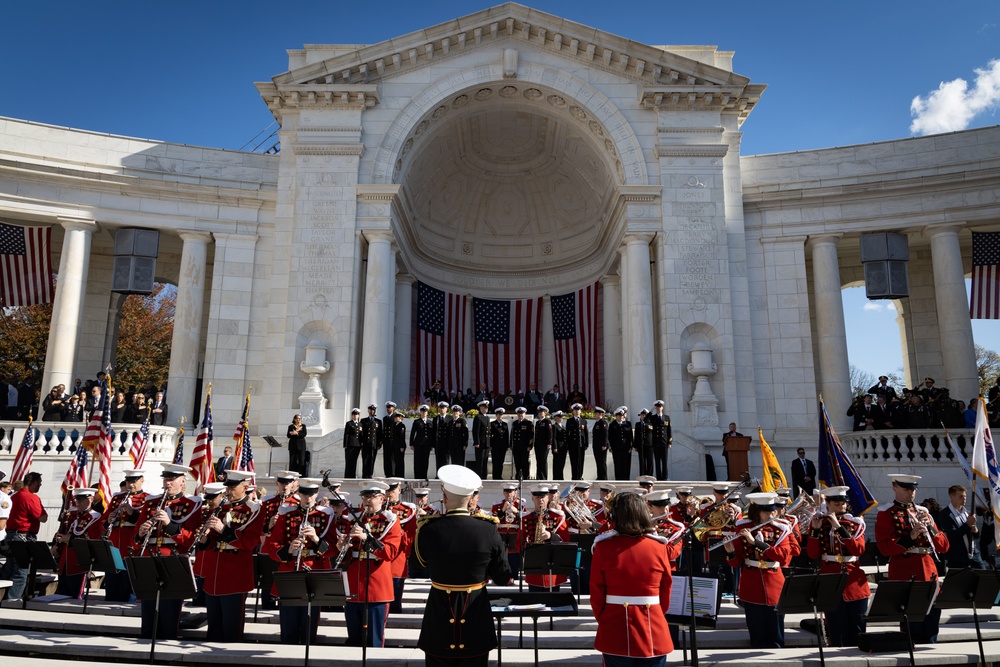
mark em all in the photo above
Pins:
pixel 984 460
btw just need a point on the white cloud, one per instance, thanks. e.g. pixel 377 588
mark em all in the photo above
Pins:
pixel 872 306
pixel 953 105
pixel 879 307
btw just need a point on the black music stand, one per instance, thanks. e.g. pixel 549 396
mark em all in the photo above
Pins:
pixel 33 556
pixel 101 553
pixel 548 558
pixel 510 605
pixel 804 593
pixel 161 578
pixel 272 443
pixel 586 542
pixel 970 588
pixel 903 601
pixel 305 587
pixel 264 568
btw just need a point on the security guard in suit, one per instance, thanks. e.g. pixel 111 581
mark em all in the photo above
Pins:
pixel 371 441
pixel 461 551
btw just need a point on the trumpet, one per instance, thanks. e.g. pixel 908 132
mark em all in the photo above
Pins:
pixel 145 542
pixel 735 536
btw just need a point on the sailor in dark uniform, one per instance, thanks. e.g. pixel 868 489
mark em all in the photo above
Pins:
pixel 461 552
pixel 499 443
pixel 421 442
pixel 371 441
pixel 352 444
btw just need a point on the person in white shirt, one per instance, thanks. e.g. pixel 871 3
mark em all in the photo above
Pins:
pixel 4 506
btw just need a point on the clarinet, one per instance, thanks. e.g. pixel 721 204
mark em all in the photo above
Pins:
pixel 115 517
pixel 347 547
pixel 145 542
pixel 302 536
pixel 203 531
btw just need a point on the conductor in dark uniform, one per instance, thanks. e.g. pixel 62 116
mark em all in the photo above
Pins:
pixel 461 552
pixel 371 441
pixel 663 438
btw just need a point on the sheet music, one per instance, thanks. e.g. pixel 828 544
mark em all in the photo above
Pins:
pixel 706 597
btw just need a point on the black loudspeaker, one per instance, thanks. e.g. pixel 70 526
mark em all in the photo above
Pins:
pixel 135 261
pixel 885 257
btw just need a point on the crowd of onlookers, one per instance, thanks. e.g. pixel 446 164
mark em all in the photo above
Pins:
pixel 76 404
pixel 530 399
pixel 924 406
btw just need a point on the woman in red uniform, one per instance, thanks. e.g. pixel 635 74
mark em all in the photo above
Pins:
pixel 838 540
pixel 759 551
pixel 84 523
pixel 630 588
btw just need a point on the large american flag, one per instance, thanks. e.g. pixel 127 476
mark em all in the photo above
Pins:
pixel 508 341
pixel 574 327
pixel 25 454
pixel 104 445
pixel 201 457
pixel 140 440
pixel 440 338
pixel 25 265
pixel 244 452
pixel 984 302
pixel 76 474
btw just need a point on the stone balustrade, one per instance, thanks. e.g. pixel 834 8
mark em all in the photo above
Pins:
pixel 906 446
pixel 61 439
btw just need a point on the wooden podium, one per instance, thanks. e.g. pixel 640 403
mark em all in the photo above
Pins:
pixel 736 449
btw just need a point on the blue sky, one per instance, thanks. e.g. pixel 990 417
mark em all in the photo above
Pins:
pixel 837 73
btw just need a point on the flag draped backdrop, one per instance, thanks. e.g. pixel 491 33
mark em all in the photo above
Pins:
pixel 575 328
pixel 25 265
pixel 440 338
pixel 984 301
pixel 508 341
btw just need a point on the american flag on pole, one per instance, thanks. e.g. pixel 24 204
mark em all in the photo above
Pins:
pixel 984 302
pixel 574 327
pixel 179 448
pixel 140 438
pixel 104 445
pixel 25 265
pixel 76 475
pixel 93 434
pixel 440 338
pixel 201 458
pixel 508 342
pixel 244 452
pixel 25 453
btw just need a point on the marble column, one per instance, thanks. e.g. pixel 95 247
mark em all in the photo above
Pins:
pixel 831 332
pixel 67 304
pixel 548 348
pixel 114 321
pixel 185 345
pixel 955 326
pixel 637 325
pixel 380 292
pixel 614 379
pixel 404 336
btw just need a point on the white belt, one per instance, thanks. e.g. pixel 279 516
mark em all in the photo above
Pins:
pixel 919 550
pixel 834 558
pixel 633 599
pixel 763 564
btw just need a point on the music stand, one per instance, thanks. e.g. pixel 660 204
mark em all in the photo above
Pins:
pixel 162 578
pixel 264 568
pixel 101 553
pixel 586 543
pixel 903 601
pixel 33 556
pixel 804 593
pixel 550 559
pixel 531 605
pixel 272 443
pixel 305 587
pixel 970 588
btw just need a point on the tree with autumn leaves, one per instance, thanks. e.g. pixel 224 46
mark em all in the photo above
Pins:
pixel 144 335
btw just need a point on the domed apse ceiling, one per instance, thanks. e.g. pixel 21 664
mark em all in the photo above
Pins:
pixel 507 181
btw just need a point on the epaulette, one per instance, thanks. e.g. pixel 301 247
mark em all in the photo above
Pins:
pixel 253 505
pixel 887 506
pixel 658 538
pixel 427 517
pixel 285 509
pixel 486 517
pixel 605 535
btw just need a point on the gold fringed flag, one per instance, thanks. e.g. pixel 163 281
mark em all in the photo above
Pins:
pixel 773 478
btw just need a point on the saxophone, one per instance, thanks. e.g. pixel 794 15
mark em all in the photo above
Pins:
pixel 539 527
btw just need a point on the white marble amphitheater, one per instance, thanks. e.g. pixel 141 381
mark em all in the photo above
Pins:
pixel 512 154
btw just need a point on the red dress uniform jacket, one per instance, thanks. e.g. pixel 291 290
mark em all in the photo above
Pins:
pixel 841 549
pixel 509 525
pixel 761 578
pixel 629 594
pixel 123 524
pixel 671 531
pixel 384 526
pixel 288 527
pixel 907 557
pixel 228 556
pixel 81 525
pixel 795 540
pixel 177 536
pixel 554 521
pixel 406 514
pixel 269 507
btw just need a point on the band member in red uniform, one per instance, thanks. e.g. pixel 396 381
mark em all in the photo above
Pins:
pixel 286 486
pixel 630 588
pixel 167 524
pixel 907 534
pixel 646 482
pixel 300 540
pixel 213 495
pixel 508 513
pixel 837 539
pixel 686 510
pixel 83 523
pixel 795 540
pixel 119 529
pixel 579 505
pixel 759 550
pixel 543 524
pixel 226 543
pixel 722 518
pixel 369 572
pixel 671 531
pixel 406 513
